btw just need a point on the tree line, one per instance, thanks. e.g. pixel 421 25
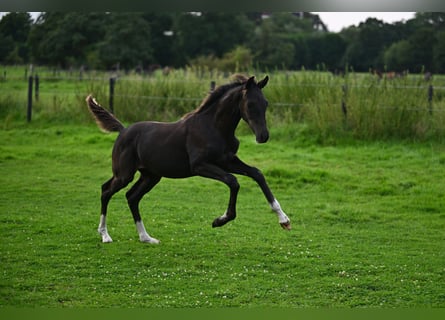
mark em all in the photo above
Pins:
pixel 227 41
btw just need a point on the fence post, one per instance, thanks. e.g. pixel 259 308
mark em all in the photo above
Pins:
pixel 343 100
pixel 212 85
pixel 430 98
pixel 36 95
pixel 29 111
pixel 112 83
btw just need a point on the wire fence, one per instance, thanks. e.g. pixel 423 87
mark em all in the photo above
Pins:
pixel 34 90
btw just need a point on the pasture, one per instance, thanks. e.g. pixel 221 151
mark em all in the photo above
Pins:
pixel 368 225
pixel 356 105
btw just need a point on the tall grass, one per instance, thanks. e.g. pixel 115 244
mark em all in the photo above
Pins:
pixel 363 106
pixel 356 105
pixel 161 97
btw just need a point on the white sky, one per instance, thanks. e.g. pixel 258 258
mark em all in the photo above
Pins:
pixel 335 21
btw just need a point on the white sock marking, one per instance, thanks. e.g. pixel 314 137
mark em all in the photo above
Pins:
pixel 143 235
pixel 282 217
pixel 102 229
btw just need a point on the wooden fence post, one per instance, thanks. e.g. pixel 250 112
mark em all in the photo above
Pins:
pixel 36 95
pixel 430 98
pixel 343 100
pixel 112 83
pixel 29 111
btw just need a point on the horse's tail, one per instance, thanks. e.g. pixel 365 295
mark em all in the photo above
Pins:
pixel 104 119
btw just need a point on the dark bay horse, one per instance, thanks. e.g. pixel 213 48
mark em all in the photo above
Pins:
pixel 202 143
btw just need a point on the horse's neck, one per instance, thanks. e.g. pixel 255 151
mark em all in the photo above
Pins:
pixel 227 116
pixel 224 115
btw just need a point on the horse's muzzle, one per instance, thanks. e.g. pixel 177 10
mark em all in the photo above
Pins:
pixel 262 137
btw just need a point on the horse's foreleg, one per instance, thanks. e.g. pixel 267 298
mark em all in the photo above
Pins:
pixel 213 172
pixel 134 196
pixel 239 167
pixel 283 219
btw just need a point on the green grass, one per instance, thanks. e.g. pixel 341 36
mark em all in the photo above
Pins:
pixel 376 109
pixel 368 227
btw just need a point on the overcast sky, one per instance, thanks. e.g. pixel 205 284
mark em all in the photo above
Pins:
pixel 335 21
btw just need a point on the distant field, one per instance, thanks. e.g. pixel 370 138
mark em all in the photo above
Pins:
pixel 357 105
pixel 368 226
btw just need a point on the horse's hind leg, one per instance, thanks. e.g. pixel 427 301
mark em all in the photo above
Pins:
pixel 105 198
pixel 134 196
pixel 109 188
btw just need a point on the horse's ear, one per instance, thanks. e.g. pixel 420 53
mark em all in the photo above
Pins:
pixel 250 83
pixel 262 83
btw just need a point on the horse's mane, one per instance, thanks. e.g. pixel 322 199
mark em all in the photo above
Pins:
pixel 217 93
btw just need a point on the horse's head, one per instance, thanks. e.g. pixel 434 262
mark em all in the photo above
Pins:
pixel 253 108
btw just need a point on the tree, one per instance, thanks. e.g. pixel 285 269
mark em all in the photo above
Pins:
pixel 210 33
pixel 439 53
pixel 368 42
pixel 126 41
pixel 66 39
pixel 327 49
pixel 279 41
pixel 398 56
pixel 435 20
pixel 14 31
pixel 237 60
pixel 162 37
pixel 421 43
pixel 302 55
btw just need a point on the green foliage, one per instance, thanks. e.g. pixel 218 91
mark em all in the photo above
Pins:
pixel 276 41
pixel 14 30
pixel 210 33
pixel 439 53
pixel 367 219
pixel 398 56
pixel 126 42
pixel 240 59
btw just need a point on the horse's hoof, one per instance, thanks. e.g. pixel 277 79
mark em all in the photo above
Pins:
pixel 219 222
pixel 216 223
pixel 286 225
pixel 149 240
pixel 106 238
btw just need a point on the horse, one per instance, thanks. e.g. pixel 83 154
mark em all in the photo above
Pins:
pixel 201 143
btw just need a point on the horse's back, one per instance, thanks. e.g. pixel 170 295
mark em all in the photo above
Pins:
pixel 159 147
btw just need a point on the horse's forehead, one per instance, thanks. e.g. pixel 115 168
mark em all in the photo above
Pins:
pixel 255 95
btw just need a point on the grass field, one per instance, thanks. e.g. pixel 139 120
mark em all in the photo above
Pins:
pixel 368 227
